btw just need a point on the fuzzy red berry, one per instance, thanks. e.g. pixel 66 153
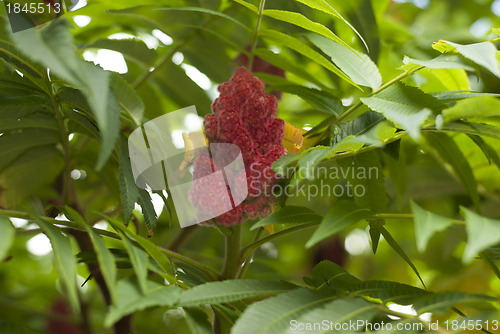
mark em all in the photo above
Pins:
pixel 243 115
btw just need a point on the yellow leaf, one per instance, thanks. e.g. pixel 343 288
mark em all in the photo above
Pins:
pixel 269 229
pixel 293 139
pixel 192 141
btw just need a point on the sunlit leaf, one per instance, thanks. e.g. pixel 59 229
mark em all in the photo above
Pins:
pixel 484 54
pixel 303 49
pixel 358 66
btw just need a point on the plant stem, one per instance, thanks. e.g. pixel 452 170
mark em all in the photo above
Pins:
pixel 256 34
pixel 233 260
pixel 247 261
pixel 64 138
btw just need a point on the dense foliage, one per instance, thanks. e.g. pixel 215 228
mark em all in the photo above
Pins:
pixel 388 192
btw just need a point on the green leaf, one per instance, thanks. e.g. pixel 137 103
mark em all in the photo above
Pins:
pixel 248 5
pixel 394 245
pixel 449 151
pixel 451 96
pixel 473 128
pixel 426 225
pixel 488 151
pixel 65 261
pixel 407 107
pixel 128 98
pixel 139 260
pixel 150 248
pixel 13 145
pixel 374 237
pixel 19 182
pixel 484 54
pixel 7 233
pixel 55 50
pixel 378 135
pixel 288 65
pixel 303 22
pixel 274 314
pixel 481 106
pixel 359 67
pixel 197 321
pixel 106 260
pixel 318 99
pixel 131 300
pixel 340 311
pixel 325 7
pixel 442 302
pixel 148 210
pixel 328 275
pixel 357 126
pixel 303 49
pixel 481 233
pixel 388 291
pixel 129 192
pixel 108 120
pixel 26 117
pixel 441 62
pixel 341 215
pixel 289 215
pixel 230 291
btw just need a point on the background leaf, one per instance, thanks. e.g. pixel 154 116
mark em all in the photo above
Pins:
pixel 481 233
pixel 340 216
pixel 426 225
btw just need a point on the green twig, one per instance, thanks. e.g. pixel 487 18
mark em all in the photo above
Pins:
pixel 256 34
pixel 64 138
pixel 248 251
pixel 233 260
pixel 244 268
